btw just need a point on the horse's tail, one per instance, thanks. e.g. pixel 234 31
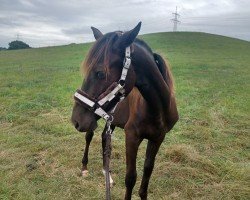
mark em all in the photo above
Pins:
pixel 165 70
pixel 172 114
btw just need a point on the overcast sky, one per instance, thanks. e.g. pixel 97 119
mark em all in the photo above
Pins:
pixel 56 22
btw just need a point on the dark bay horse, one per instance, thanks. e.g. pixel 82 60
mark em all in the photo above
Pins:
pixel 149 109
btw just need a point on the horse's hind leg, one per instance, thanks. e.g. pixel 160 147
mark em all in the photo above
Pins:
pixel 88 138
pixel 152 149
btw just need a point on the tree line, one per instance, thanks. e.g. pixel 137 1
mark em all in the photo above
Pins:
pixel 17 44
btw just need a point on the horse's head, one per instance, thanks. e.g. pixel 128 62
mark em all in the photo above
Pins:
pixel 103 67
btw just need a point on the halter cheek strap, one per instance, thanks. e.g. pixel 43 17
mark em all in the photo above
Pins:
pixel 114 94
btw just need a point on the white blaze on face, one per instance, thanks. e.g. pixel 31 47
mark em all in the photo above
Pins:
pixel 110 178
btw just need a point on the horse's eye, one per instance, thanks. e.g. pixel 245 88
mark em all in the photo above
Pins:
pixel 100 75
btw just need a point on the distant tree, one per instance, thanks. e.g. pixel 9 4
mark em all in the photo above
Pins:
pixel 2 48
pixel 18 45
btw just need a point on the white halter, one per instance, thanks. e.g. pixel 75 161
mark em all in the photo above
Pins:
pixel 96 107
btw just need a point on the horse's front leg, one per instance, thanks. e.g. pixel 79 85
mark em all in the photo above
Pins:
pixel 152 149
pixel 88 138
pixel 103 153
pixel 132 144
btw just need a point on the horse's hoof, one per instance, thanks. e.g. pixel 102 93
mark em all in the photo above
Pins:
pixel 85 173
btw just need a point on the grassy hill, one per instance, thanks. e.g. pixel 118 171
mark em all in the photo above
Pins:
pixel 206 156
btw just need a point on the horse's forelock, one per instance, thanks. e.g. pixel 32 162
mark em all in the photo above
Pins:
pixel 100 52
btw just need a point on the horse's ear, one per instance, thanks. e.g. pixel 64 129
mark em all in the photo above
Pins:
pixel 128 37
pixel 96 32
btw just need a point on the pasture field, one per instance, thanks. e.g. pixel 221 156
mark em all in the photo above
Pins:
pixel 206 155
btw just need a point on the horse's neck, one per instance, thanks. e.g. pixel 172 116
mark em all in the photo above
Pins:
pixel 154 89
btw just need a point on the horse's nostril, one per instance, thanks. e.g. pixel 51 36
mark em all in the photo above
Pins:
pixel 76 125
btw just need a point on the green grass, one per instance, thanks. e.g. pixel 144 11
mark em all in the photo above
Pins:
pixel 206 155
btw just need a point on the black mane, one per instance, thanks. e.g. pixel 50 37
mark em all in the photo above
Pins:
pixel 144 45
pixel 157 58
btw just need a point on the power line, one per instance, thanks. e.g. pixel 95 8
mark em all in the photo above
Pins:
pixel 175 20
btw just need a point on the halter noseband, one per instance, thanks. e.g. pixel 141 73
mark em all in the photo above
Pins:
pixel 114 94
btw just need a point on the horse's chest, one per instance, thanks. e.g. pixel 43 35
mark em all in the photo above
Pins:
pixel 149 129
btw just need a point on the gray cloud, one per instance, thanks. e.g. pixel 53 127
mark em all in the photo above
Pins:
pixel 44 22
